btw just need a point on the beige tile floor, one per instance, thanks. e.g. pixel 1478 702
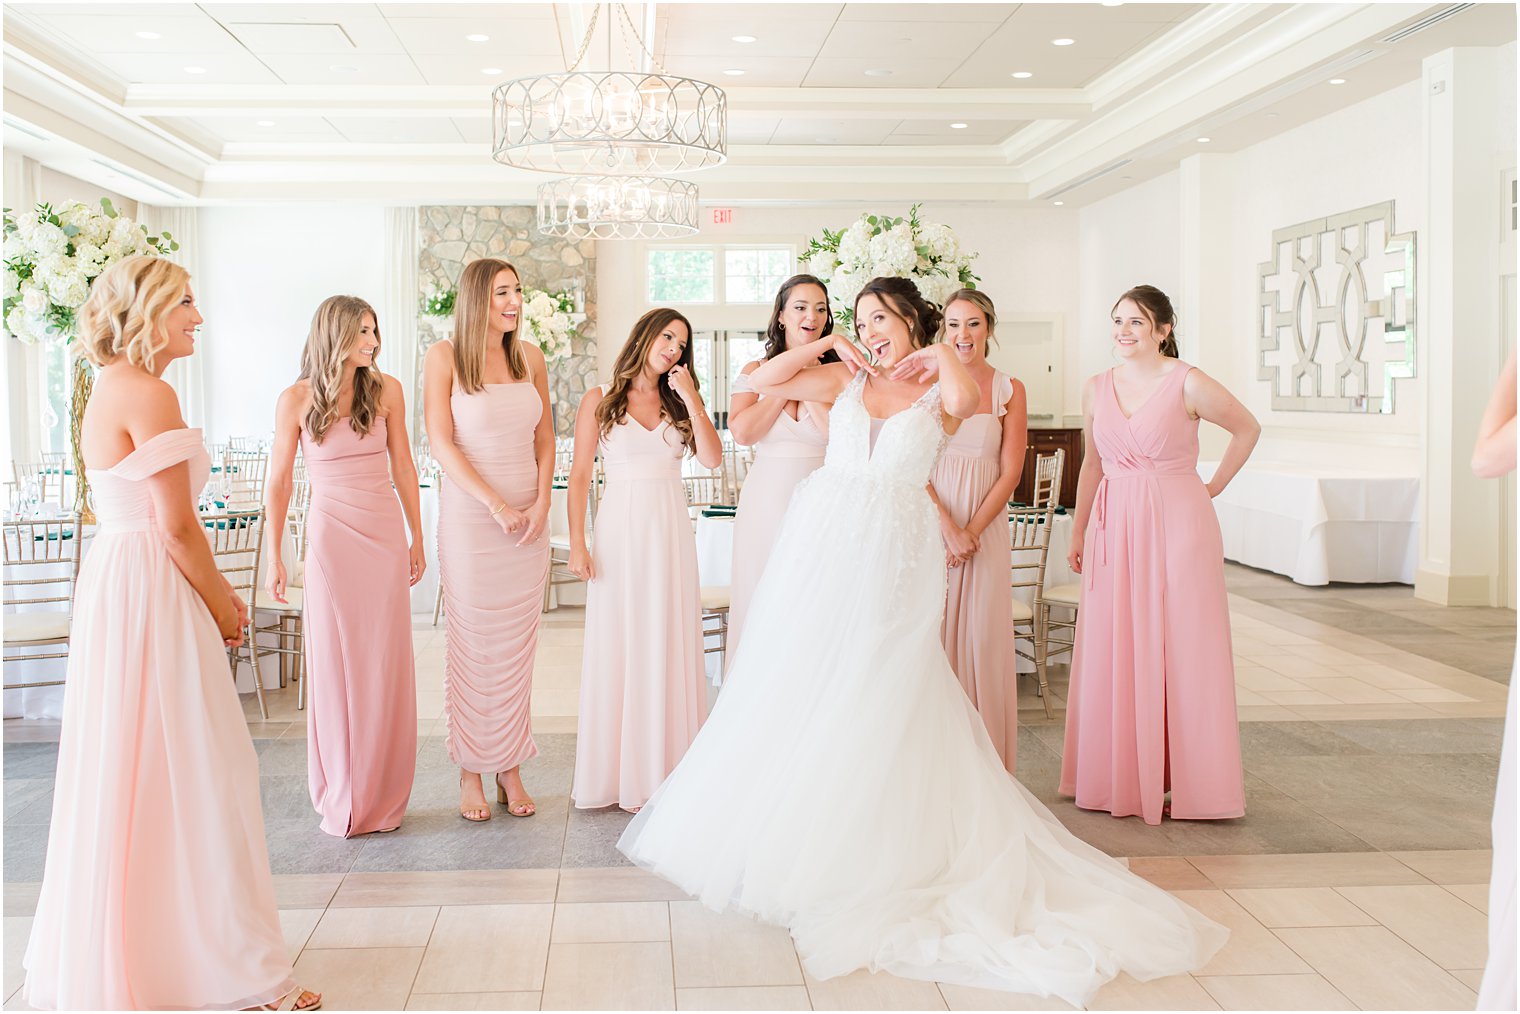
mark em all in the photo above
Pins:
pixel 1331 931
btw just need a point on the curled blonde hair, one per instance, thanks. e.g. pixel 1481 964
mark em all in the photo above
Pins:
pixel 127 311
pixel 334 332
pixel 981 301
pixel 472 330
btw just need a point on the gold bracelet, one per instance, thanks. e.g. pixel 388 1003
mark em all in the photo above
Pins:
pixel 501 507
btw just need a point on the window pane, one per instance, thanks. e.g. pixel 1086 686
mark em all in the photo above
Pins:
pixel 744 289
pixel 741 262
pixel 778 262
pixel 680 276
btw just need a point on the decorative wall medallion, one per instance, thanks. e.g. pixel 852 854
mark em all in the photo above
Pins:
pixel 1336 313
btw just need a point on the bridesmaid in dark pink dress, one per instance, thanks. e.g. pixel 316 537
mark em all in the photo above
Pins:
pixel 490 426
pixel 349 420
pixel 1151 707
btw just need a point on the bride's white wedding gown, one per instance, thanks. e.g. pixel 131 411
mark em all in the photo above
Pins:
pixel 845 788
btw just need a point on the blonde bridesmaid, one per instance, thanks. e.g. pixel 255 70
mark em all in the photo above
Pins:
pixel 156 894
pixel 349 420
pixel 788 437
pixel 1151 708
pixel 491 428
pixel 642 692
pixel 971 485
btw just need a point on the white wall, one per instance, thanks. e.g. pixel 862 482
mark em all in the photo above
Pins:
pixel 1026 258
pixel 264 269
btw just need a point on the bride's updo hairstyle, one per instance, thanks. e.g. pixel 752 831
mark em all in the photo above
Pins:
pixel 126 312
pixel 903 300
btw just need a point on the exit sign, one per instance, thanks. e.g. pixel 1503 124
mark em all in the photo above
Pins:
pixel 723 216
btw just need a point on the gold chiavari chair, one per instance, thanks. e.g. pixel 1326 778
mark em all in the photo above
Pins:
pixel 1029 532
pixel 287 628
pixel 1048 469
pixel 244 478
pixel 1063 598
pixel 706 489
pixel 236 539
pixel 41 561
pixel 559 537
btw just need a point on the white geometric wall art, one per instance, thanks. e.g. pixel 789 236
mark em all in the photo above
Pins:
pixel 1336 313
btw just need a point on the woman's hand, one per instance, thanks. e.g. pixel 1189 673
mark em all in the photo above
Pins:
pixel 580 563
pixel 231 623
pixel 416 562
pixel 849 353
pixel 959 543
pixel 537 519
pixel 274 581
pixel 1074 554
pixel 680 382
pixel 508 520
pixel 922 365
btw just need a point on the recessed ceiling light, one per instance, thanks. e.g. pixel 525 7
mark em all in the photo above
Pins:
pixel 957 126
pixel 1062 42
pixel 734 72
pixel 344 68
pixel 744 38
pixel 878 72
pixel 477 37
pixel 1204 140
pixel 195 70
pixel 1337 80
pixel 149 35
pixel 1113 3
pixel 1021 74
pixel 1058 203
pixel 266 123
pixel 493 71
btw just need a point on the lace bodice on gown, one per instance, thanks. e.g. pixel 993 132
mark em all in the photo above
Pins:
pixel 908 445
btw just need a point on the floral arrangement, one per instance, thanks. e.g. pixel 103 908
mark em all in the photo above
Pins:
pixel 546 317
pixel 53 254
pixel 879 245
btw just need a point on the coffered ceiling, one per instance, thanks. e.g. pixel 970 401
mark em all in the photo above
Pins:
pixel 217 102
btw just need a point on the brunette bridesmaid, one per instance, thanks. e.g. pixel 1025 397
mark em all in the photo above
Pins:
pixel 491 429
pixel 971 485
pixel 642 692
pixel 788 437
pixel 349 420
pixel 156 894
pixel 1151 707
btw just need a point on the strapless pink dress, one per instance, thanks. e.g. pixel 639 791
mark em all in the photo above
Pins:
pixel 979 602
pixel 361 737
pixel 156 894
pixel 493 589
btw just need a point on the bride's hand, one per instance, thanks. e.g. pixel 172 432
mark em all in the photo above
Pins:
pixel 849 354
pixel 922 365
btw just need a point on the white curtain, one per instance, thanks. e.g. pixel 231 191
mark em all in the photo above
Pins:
pixel 24 365
pixel 186 375
pixel 398 309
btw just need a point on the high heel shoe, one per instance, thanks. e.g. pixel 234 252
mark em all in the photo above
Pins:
pixel 517 808
pixel 465 811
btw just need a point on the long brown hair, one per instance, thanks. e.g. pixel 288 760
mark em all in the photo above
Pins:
pixel 334 333
pixel 613 408
pixel 903 300
pixel 1155 305
pixel 472 330
pixel 775 334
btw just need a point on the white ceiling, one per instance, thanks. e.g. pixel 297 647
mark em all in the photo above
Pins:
pixel 241 93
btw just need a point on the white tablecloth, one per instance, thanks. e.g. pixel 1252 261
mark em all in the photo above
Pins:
pixel 1321 524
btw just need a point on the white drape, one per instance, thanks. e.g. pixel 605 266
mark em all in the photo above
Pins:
pixel 398 309
pixel 23 364
pixel 186 375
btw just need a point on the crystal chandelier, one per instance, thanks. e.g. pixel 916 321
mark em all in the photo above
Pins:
pixel 610 122
pixel 617 207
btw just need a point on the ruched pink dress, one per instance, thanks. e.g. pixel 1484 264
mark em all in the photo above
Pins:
pixel 642 692
pixel 156 894
pixel 979 601
pixel 790 451
pixel 493 589
pixel 361 737
pixel 1151 706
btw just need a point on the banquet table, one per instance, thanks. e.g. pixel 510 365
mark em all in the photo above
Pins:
pixel 1318 524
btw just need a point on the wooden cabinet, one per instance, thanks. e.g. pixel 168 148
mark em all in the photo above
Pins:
pixel 1044 441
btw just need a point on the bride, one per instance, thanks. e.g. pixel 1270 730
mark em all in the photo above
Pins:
pixel 843 786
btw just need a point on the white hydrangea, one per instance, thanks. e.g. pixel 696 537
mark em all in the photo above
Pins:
pixel 48 239
pixel 823 265
pixel 69 289
pixel 12 285
pixel 34 299
pixel 26 224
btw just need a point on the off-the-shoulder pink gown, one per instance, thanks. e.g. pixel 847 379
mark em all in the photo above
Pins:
pixel 157 893
pixel 361 737
pixel 979 601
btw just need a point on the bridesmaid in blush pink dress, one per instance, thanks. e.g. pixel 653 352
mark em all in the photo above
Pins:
pixel 156 894
pixel 642 692
pixel 788 437
pixel 350 422
pixel 1151 707
pixel 491 428
pixel 970 485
